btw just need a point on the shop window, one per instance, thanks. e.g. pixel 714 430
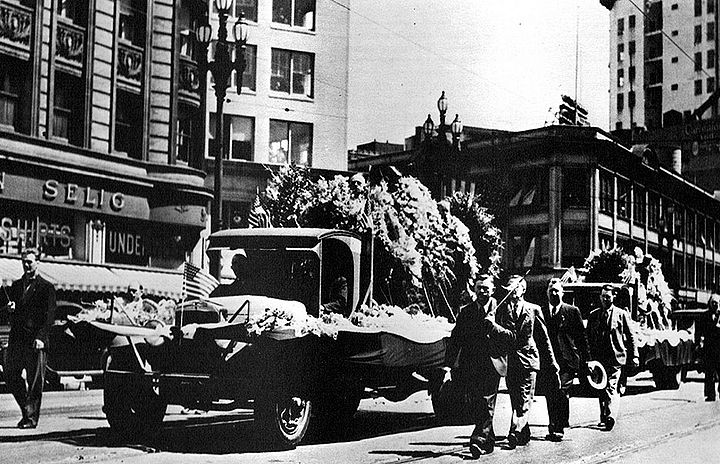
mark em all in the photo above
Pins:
pixel 68 117
pixel 246 7
pixel 709 278
pixel 297 13
pixel 290 142
pixel 250 73
pixel 690 271
pixel 679 268
pixel 607 192
pixel 128 124
pixel 575 244
pixel 575 188
pixel 292 72
pixel 700 273
pixel 623 199
pixel 239 132
pixel 640 205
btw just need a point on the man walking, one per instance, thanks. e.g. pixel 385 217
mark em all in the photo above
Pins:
pixel 481 344
pixel 612 343
pixel 32 306
pixel 567 336
pixel 518 316
pixel 709 332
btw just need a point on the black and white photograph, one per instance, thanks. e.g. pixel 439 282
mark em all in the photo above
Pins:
pixel 359 231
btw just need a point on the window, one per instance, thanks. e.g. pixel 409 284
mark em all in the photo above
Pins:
pixel 620 102
pixel 128 123
pixel 710 85
pixel 68 120
pixel 607 192
pixel 631 22
pixel 239 135
pixel 640 205
pixel 297 13
pixel 674 6
pixel 698 87
pixel 292 72
pixel 186 132
pixel 674 59
pixel 710 6
pixel 623 198
pixel 132 22
pixel 698 34
pixel 698 7
pixel 574 188
pixel 290 142
pixel 674 33
pixel 701 231
pixel 631 74
pixel 73 10
pixel 698 61
pixel 679 223
pixel 631 99
pixel 621 52
pixel 690 270
pixel 674 87
pixel 710 59
pixel 246 7
pixel 710 32
pixel 9 93
pixel 709 234
pixel 653 210
pixel 621 26
pixel 631 48
pixel 250 73
pixel 531 188
pixel 690 220
pixel 620 77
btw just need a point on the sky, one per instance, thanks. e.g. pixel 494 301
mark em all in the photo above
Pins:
pixel 502 63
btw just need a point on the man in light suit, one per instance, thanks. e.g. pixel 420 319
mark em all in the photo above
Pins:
pixel 32 306
pixel 612 343
pixel 481 345
pixel 567 335
pixel 518 316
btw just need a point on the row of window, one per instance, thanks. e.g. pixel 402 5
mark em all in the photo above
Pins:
pixel 289 141
pixel 621 24
pixel 621 76
pixel 710 64
pixel 621 100
pixel 709 33
pixel 621 51
pixel 294 13
pixel 709 87
pixel 661 214
pixel 699 8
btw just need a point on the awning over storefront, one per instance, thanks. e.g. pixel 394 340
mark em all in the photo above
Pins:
pixel 85 277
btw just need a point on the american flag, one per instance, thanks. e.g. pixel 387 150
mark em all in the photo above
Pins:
pixel 197 283
pixel 258 217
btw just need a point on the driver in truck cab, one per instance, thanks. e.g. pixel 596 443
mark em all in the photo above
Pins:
pixel 240 266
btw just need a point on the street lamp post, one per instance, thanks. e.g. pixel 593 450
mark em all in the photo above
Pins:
pixel 221 68
pixel 436 142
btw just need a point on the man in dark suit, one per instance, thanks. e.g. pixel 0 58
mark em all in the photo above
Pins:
pixel 32 306
pixel 567 335
pixel 482 346
pixel 518 316
pixel 612 343
pixel 241 284
pixel 709 334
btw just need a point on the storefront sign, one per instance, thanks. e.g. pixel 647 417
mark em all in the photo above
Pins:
pixel 76 195
pixel 141 245
pixel 55 237
pixel 124 243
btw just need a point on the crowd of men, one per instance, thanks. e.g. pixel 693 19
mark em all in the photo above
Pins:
pixel 528 345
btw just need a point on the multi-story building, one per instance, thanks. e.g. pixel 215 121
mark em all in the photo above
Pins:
pixel 560 191
pixel 663 61
pixel 96 103
pixel 293 103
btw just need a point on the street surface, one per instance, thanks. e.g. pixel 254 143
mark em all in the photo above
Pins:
pixel 654 426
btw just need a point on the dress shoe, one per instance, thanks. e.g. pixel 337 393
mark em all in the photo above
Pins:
pixel 524 436
pixel 480 448
pixel 512 440
pixel 609 423
pixel 27 424
pixel 554 436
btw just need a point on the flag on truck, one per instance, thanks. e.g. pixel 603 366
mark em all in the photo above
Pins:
pixel 197 283
pixel 258 217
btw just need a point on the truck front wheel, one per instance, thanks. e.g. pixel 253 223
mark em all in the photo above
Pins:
pixel 282 420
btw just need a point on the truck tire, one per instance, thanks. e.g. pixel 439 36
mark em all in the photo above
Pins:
pixel 132 407
pixel 281 421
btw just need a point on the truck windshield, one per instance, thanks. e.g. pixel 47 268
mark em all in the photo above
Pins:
pixel 275 273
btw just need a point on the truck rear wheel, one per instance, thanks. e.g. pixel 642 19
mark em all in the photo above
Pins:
pixel 282 420
pixel 132 407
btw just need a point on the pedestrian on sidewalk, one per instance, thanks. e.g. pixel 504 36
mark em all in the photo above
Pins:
pixel 569 342
pixel 709 332
pixel 31 302
pixel 612 343
pixel 479 345
pixel 518 316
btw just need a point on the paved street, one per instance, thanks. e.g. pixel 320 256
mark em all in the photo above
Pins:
pixel 655 426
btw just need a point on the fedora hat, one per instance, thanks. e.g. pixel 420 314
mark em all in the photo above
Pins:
pixel 513 281
pixel 597 377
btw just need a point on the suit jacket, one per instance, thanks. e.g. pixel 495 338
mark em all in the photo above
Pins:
pixel 541 335
pixel 567 335
pixel 610 337
pixel 477 343
pixel 520 320
pixel 708 330
pixel 34 311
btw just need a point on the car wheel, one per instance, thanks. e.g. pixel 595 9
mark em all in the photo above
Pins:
pixel 131 405
pixel 282 420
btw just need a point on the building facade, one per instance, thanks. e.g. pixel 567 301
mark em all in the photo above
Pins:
pixel 560 191
pixel 95 101
pixel 293 104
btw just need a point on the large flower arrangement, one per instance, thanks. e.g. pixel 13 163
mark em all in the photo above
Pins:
pixel 606 265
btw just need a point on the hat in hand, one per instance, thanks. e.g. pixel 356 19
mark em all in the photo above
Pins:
pixel 597 377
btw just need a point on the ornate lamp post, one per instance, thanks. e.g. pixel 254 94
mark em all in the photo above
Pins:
pixel 221 68
pixel 436 143
pixel 456 128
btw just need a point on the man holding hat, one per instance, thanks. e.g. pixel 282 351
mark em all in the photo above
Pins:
pixel 612 343
pixel 567 335
pixel 518 316
pixel 482 346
